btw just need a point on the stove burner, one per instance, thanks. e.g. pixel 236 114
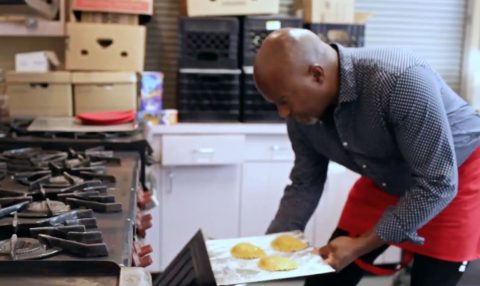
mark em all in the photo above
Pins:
pixel 22 248
pixel 46 208
pixel 74 247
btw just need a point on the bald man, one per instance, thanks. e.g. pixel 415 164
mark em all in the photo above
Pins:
pixel 387 115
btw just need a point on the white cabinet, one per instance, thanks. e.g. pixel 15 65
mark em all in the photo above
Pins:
pixel 262 189
pixel 339 182
pixel 193 197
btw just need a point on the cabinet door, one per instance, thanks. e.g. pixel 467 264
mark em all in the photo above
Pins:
pixel 262 188
pixel 194 197
pixel 339 182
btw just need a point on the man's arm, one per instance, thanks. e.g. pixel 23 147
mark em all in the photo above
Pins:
pixel 308 176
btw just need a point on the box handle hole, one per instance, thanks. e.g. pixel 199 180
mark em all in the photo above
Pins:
pixel 105 43
pixel 124 54
pixel 84 52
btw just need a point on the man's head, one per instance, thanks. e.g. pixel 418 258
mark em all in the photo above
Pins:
pixel 297 72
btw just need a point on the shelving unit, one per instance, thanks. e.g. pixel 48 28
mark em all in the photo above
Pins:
pixel 31 25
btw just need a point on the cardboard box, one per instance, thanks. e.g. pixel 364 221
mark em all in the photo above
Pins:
pixel 329 11
pixel 105 47
pixel 109 18
pixel 228 7
pixel 139 7
pixel 104 91
pixel 39 94
pixel 42 61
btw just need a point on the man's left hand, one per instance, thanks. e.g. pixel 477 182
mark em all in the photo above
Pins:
pixel 343 250
pixel 340 252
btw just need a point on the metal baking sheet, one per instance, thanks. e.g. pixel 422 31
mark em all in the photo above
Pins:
pixel 229 270
pixel 70 124
pixel 59 273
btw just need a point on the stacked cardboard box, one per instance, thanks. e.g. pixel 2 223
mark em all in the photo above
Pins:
pixel 105 52
pixel 334 20
pixel 3 97
pixel 39 94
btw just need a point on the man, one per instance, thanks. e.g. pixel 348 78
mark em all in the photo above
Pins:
pixel 388 116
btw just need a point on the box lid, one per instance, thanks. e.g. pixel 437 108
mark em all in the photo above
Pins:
pixel 141 7
pixel 49 55
pixel 103 77
pixel 39 77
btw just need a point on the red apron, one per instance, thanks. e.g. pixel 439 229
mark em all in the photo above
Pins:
pixel 453 235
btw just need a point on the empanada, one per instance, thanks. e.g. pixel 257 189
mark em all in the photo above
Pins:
pixel 288 243
pixel 277 263
pixel 245 250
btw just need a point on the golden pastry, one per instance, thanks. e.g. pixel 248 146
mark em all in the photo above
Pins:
pixel 288 243
pixel 245 250
pixel 277 263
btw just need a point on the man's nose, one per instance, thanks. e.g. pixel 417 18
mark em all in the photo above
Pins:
pixel 283 111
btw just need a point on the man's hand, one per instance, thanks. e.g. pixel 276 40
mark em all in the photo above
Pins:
pixel 343 250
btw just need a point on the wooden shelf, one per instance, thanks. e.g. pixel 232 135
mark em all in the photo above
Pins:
pixel 33 26
pixel 43 28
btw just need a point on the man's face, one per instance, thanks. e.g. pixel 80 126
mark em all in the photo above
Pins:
pixel 301 97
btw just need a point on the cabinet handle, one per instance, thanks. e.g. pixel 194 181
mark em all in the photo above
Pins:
pixel 277 148
pixel 170 182
pixel 205 151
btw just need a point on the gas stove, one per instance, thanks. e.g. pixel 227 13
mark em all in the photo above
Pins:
pixel 15 134
pixel 68 205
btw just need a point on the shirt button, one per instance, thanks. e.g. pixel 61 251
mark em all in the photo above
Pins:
pixel 345 144
pixel 384 184
pixel 320 122
pixel 364 166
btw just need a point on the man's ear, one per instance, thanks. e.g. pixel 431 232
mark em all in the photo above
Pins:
pixel 317 72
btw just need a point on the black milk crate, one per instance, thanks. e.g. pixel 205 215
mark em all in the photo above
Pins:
pixel 254 107
pixel 208 42
pixel 208 95
pixel 256 28
pixel 349 35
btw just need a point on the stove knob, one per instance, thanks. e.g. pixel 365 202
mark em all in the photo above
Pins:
pixel 142 250
pixel 143 261
pixel 144 199
pixel 142 223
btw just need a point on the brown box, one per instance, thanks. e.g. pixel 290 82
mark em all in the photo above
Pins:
pixel 109 18
pixel 39 94
pixel 139 7
pixel 329 11
pixel 104 91
pixel 228 7
pixel 105 47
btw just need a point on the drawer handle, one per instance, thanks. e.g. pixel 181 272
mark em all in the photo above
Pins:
pixel 276 148
pixel 205 151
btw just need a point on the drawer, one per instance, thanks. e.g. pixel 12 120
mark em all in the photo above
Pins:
pixel 269 148
pixel 202 150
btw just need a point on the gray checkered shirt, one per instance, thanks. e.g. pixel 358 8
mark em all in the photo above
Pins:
pixel 396 122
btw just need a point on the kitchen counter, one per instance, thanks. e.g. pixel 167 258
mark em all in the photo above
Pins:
pixel 219 128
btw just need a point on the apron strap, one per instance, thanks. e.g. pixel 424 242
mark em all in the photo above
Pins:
pixel 407 257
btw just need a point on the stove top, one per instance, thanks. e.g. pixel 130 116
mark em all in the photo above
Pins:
pixel 67 204
pixel 14 134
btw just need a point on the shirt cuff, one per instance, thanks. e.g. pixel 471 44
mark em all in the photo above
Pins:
pixel 390 229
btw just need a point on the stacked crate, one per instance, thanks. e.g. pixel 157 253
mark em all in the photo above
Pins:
pixel 208 79
pixel 255 29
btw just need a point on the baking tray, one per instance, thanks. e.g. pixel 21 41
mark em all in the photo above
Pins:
pixel 59 273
